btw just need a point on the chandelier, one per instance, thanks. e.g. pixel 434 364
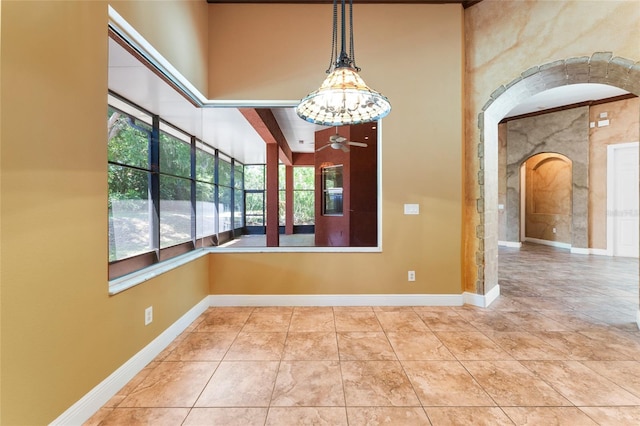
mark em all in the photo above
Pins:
pixel 343 98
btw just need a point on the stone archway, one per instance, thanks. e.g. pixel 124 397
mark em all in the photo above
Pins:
pixel 601 67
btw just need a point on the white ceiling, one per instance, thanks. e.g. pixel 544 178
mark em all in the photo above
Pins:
pixel 226 128
pixel 566 95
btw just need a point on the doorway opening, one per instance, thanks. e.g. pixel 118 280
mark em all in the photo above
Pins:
pixel 601 67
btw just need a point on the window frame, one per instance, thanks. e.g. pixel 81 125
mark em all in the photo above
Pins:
pixel 119 269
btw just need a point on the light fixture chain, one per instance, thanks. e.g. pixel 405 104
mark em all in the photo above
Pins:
pixel 334 46
pixel 352 51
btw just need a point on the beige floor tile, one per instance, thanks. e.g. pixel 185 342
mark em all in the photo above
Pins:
pixel 312 319
pixel 626 343
pixel 224 319
pixel 203 347
pixel 308 383
pixel 403 320
pixel 375 416
pixel 509 383
pixel 226 416
pixel 614 416
pixel 256 347
pixel 268 321
pixel 534 321
pixel 311 346
pixel 580 346
pixel 371 383
pixel 523 345
pixel 317 416
pixel 445 383
pixel 133 383
pixel 581 385
pixel 171 384
pixel 146 416
pixel 625 374
pixel 472 346
pixel 360 320
pixel 418 346
pixel 240 384
pixel 365 346
pixel 545 416
pixel 444 321
pixel 467 416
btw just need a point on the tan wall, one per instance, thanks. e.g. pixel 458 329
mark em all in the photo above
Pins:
pixel 506 38
pixel 413 54
pixel 624 127
pixel 61 332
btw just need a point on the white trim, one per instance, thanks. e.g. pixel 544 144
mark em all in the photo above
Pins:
pixel 549 243
pixel 523 201
pixel 337 300
pixel 611 191
pixel 579 250
pixel 139 43
pixel 599 252
pixel 638 318
pixel 119 285
pixel 514 244
pixel 89 404
pixel 482 301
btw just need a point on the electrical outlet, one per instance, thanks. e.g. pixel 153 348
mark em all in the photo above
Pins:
pixel 148 315
pixel 411 275
pixel 554 230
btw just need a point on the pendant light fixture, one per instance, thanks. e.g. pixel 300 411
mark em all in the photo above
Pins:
pixel 343 98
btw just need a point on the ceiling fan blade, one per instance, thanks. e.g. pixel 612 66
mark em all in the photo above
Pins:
pixel 364 145
pixel 344 148
pixel 323 147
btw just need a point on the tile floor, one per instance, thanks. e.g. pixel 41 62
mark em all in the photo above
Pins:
pixel 560 346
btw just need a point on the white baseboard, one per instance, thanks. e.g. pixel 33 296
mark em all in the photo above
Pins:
pixel 549 243
pixel 482 301
pixel 89 404
pixel 514 244
pixel 578 250
pixel 638 318
pixel 337 300
pixel 600 252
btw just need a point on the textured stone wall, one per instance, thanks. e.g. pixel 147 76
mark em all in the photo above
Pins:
pixel 564 132
pixel 512 58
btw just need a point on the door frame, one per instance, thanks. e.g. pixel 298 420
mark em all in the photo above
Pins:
pixel 610 190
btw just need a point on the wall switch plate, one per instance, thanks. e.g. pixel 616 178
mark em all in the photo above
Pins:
pixel 412 209
pixel 411 275
pixel 603 123
pixel 148 315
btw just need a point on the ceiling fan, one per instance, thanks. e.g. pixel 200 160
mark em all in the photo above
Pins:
pixel 340 142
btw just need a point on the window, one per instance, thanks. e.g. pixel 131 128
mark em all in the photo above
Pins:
pixel 238 198
pixel 224 194
pixel 130 224
pixel 332 191
pixel 303 196
pixel 164 198
pixel 206 211
pixel 254 201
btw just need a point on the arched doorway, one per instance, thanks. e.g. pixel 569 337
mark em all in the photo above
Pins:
pixel 601 67
pixel 546 190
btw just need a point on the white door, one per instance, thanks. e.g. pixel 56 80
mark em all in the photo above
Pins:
pixel 624 208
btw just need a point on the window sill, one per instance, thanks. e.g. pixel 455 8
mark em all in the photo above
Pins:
pixel 293 249
pixel 123 283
